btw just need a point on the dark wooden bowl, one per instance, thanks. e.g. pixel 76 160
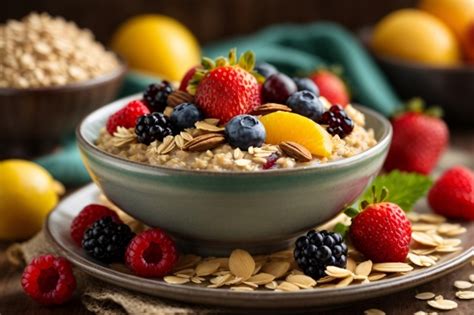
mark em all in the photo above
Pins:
pixel 33 120
pixel 452 88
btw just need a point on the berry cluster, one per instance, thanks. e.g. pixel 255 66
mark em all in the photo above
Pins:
pixel 338 122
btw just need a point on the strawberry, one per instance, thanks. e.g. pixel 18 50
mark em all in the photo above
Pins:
pixel 453 194
pixel 418 142
pixel 331 87
pixel 127 116
pixel 225 89
pixel 183 86
pixel 381 231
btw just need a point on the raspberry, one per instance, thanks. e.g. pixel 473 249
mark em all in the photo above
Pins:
pixel 49 280
pixel 87 217
pixel 107 240
pixel 127 116
pixel 151 254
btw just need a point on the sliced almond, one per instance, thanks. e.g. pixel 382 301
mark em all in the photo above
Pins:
pixel 270 108
pixel 219 281
pixel 374 311
pixel 447 249
pixel 187 261
pixel 392 267
pixel 272 285
pixel 432 218
pixel 364 268
pixel 204 142
pixel 423 227
pixel 241 264
pixel 376 276
pixel 302 281
pixel 206 268
pixel 277 268
pixel 351 264
pixel 261 278
pixel 326 279
pixel 471 277
pixel 186 135
pixel 296 151
pixel 175 280
pixel 443 304
pixel 425 296
pixel 345 282
pixel 233 280
pixel 205 126
pixel 337 272
pixel 465 295
pixel 179 97
pixel 423 239
pixel 242 288
pixel 287 286
pixel 423 251
pixel 460 284
pixel 123 136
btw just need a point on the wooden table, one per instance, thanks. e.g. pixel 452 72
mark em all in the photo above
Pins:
pixel 13 301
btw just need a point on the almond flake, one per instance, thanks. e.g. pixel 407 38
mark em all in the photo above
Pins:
pixel 462 284
pixel 351 264
pixel 276 268
pixel 392 267
pixel 423 239
pixel 186 136
pixel 374 311
pixel 413 216
pixel 212 121
pixel 337 272
pixel 415 259
pixel 345 282
pixel 258 266
pixel 302 281
pixel 261 278
pixel 432 218
pixel 444 305
pixel 219 281
pixel 202 125
pixel 187 261
pixel 450 229
pixel 423 227
pixel 288 287
pixel 185 273
pixel 241 263
pixel 251 284
pixel 123 136
pixel 364 268
pixel 425 296
pixel 451 242
pixel 196 280
pixel 423 251
pixel 179 141
pixel 326 279
pixel 242 288
pixel 471 277
pixel 376 276
pixel 465 295
pixel 447 249
pixel 272 285
pixel 166 146
pixel 206 268
pixel 232 281
pixel 175 280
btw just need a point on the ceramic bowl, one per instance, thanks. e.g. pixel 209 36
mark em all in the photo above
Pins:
pixel 212 213
pixel 32 120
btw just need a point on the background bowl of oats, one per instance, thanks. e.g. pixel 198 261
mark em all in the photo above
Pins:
pixel 52 74
pixel 213 212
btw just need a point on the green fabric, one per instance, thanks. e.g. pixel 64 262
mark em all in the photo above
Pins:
pixel 294 49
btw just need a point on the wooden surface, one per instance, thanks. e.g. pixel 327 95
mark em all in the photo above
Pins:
pixel 13 301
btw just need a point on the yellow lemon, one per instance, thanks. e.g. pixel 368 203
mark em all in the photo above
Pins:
pixel 415 35
pixel 157 44
pixel 27 195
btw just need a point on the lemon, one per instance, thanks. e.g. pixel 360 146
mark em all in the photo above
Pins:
pixel 415 35
pixel 27 195
pixel 157 44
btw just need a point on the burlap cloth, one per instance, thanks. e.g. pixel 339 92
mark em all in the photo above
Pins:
pixel 100 297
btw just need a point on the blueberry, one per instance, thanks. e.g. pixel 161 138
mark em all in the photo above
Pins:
pixel 185 116
pixel 244 131
pixel 265 69
pixel 306 104
pixel 306 84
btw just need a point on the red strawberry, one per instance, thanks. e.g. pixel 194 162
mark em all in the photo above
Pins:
pixel 453 194
pixel 381 232
pixel 228 89
pixel 183 86
pixel 417 144
pixel 331 87
pixel 127 116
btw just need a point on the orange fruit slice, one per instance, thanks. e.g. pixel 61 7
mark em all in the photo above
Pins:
pixel 284 126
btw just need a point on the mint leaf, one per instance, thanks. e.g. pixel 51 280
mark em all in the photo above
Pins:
pixel 405 189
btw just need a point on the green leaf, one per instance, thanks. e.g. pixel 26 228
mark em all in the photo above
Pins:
pixel 341 229
pixel 247 60
pixel 405 189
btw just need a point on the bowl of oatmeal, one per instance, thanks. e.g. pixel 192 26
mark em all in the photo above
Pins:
pixel 232 158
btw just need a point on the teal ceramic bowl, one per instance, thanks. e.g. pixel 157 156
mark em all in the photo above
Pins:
pixel 215 212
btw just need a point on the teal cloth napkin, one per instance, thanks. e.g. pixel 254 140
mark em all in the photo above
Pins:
pixel 294 49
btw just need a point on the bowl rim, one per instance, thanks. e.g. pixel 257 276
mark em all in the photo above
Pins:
pixel 86 145
pixel 101 79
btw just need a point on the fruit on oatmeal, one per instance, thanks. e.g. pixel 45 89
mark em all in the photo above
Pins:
pixel 151 254
pixel 307 104
pixel 245 131
pixel 225 88
pixel 27 194
pixel 265 69
pixel 306 84
pixel 156 95
pixel 453 194
pixel 183 85
pixel 106 240
pixel 127 116
pixel 277 88
pixel 49 280
pixel 339 123
pixel 284 126
pixel 151 127
pixel 90 214
pixel 319 249
pixel 331 87
pixel 419 139
pixel 381 231
pixel 185 116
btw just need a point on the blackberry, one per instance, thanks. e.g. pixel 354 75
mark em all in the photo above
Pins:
pixel 338 122
pixel 107 240
pixel 156 95
pixel 317 250
pixel 151 127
